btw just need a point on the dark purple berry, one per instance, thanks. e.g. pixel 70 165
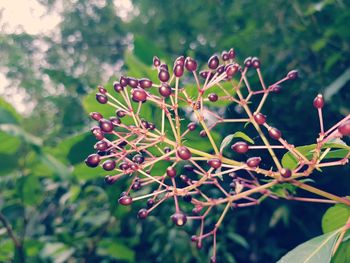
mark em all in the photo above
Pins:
pixel 136 186
pixel 124 166
pixel 163 75
pixel 189 167
pixel 138 95
pixel 179 218
pixel 220 69
pixel 133 82
pixel 150 203
pixel 293 74
pixel 192 126
pixel 205 73
pixel 142 213
pixel 178 70
pixel 180 61
pixel 108 165
pixel 145 83
pixel 231 53
pixel 167 150
pixel 138 158
pixel 171 172
pixel 165 90
pixel 101 146
pixel 152 126
pixel 248 62
pixel 124 81
pixel 120 113
pixel 225 56
pixel 344 128
pixel 106 125
pixel 286 173
pixel 184 153
pixel 318 102
pixel 109 179
pixel 255 62
pixel 213 97
pixel 187 198
pixel 240 147
pixel 101 98
pixel 102 90
pixel 92 160
pixel 125 200
pixel 117 87
pixel 203 133
pixel 253 162
pixel 231 69
pixel 260 118
pixel 275 133
pixel 214 163
pixel 115 121
pixel 156 61
pixel 190 64
pixel 96 116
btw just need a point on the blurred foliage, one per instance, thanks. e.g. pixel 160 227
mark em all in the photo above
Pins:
pixel 61 211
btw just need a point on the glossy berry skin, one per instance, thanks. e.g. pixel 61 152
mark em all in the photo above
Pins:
pixel 92 160
pixel 124 81
pixel 120 113
pixel 275 133
pixel 255 62
pixel 171 172
pixel 240 147
pixel 213 62
pixel 136 186
pixel 145 83
pixel 139 95
pixel 101 98
pixel 231 69
pixel 231 53
pixel 133 83
pixel 101 146
pixel 253 162
pixel 142 213
pixel 190 64
pixel 96 116
pixel 205 74
pixel 318 102
pixel 125 200
pixel 220 69
pixel 106 125
pixel 276 89
pixel 179 218
pixel 260 118
pixel 248 62
pixel 108 165
pixel 109 180
pixel 178 70
pixel 192 126
pixel 344 128
pixel 156 61
pixel 189 167
pixel 184 153
pixel 117 87
pixel 150 203
pixel 124 166
pixel 115 121
pixel 165 90
pixel 138 158
pixel 214 163
pixel 285 173
pixel 293 74
pixel 167 150
pixel 163 75
pixel 203 133
pixel 213 97
pixel 152 126
pixel 102 90
pixel 225 56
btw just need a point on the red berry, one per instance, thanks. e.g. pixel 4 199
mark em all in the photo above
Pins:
pixel 101 98
pixel 231 53
pixel 178 70
pixel 101 146
pixel 344 128
pixel 213 62
pixel 293 74
pixel 115 121
pixel 165 90
pixel 192 126
pixel 220 69
pixel 225 56
pixel 171 172
pixel 318 101
pixel 275 133
pixel 163 75
pixel 106 125
pixel 179 218
pixel 96 116
pixel 190 64
pixel 108 165
pixel 240 147
pixel 184 153
pixel 231 69
pixel 142 213
pixel 92 160
pixel 253 162
pixel 214 163
pixel 145 83
pixel 139 95
pixel 125 200
pixel 260 118
pixel 213 97
pixel 286 173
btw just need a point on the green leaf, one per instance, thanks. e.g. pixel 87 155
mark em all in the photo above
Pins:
pixel 343 253
pixel 113 249
pixel 316 250
pixel 30 190
pixel 145 49
pixel 335 217
pixel 8 114
pixel 17 131
pixel 8 144
pixel 55 165
pixel 238 239
pixel 83 173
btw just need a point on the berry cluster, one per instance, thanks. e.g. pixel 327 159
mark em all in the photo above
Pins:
pixel 137 149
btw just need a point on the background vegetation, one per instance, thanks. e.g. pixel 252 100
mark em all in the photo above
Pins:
pixel 61 211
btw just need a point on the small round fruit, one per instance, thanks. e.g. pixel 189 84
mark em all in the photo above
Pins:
pixel 260 118
pixel 253 162
pixel 101 98
pixel 142 213
pixel 178 70
pixel 213 62
pixel 171 172
pixel 214 163
pixel 101 146
pixel 96 116
pixel 150 203
pixel 117 87
pixel 293 74
pixel 120 113
pixel 124 81
pixel 108 165
pixel 203 133
pixel 133 83
pixel 231 70
pixel 124 166
pixel 115 121
pixel 106 125
pixel 213 97
pixel 256 62
pixel 165 90
pixel 192 126
pixel 179 218
pixel 92 160
pixel 318 102
pixel 275 133
pixel 188 167
pixel 248 62
pixel 344 128
pixel 190 64
pixel 156 61
pixel 139 95
pixel 184 153
pixel 240 147
pixel 138 158
pixel 109 180
pixel 125 200
pixel 220 69
pixel 145 83
pixel 285 173
pixel 163 75
pixel 225 56
pixel 231 53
